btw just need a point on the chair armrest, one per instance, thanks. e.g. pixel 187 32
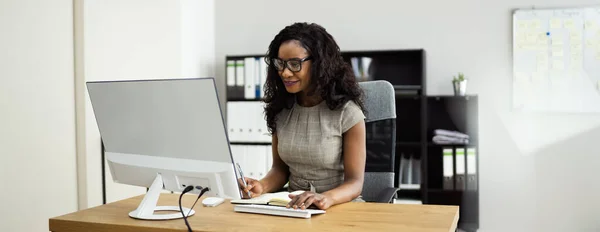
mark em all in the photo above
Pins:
pixel 387 195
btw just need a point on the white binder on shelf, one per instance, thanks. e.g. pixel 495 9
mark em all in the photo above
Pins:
pixel 262 133
pixel 448 168
pixel 239 121
pixel 249 121
pixel 263 76
pixel 256 161
pixel 460 168
pixel 257 71
pixel 254 120
pixel 261 161
pixel 239 73
pixel 249 76
pixel 239 155
pixel 416 171
pixel 355 67
pixel 249 157
pixel 232 133
pixel 471 169
pixel 409 170
pixel 269 154
pixel 230 75
pixel 404 170
pixel 365 62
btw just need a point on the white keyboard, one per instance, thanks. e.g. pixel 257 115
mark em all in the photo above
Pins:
pixel 277 210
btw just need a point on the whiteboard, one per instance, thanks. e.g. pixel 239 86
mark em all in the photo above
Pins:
pixel 556 60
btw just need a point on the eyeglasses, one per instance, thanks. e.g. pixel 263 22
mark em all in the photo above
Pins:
pixel 294 64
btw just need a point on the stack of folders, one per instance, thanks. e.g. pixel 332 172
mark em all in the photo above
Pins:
pixel 465 175
pixel 246 122
pixel 246 77
pixel 360 66
pixel 410 172
pixel 255 160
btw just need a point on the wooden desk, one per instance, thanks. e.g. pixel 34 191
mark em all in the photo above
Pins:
pixel 344 217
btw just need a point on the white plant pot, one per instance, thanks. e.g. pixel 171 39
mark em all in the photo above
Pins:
pixel 460 88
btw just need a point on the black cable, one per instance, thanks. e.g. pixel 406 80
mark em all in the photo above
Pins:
pixel 202 191
pixel 187 189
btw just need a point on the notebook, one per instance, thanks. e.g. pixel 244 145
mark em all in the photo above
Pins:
pixel 277 211
pixel 276 199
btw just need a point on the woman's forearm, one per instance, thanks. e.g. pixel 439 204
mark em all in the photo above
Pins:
pixel 348 191
pixel 275 179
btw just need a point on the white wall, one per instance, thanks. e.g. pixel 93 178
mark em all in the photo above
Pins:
pixel 37 119
pixel 467 36
pixel 135 39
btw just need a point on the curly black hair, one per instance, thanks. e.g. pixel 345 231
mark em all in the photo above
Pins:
pixel 331 76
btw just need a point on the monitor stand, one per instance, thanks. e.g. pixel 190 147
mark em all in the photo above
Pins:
pixel 148 205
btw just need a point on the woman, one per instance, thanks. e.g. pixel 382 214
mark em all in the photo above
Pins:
pixel 315 115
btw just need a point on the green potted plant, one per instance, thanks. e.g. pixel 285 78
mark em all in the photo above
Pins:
pixel 460 84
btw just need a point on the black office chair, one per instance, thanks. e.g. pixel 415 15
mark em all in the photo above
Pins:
pixel 380 104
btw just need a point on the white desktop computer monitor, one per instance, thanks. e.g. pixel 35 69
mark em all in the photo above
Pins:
pixel 164 134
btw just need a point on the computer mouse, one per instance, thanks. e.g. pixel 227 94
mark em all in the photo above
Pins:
pixel 212 201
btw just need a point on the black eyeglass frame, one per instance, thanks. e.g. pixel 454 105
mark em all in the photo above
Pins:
pixel 271 61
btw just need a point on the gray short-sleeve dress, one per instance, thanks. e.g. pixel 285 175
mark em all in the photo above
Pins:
pixel 310 142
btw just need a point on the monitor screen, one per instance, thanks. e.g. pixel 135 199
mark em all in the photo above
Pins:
pixel 162 118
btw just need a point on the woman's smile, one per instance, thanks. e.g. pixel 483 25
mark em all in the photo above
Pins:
pixel 290 83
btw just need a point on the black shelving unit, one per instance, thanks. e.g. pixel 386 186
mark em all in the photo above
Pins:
pixel 453 113
pixel 417 116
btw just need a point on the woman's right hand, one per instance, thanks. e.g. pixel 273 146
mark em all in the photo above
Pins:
pixel 254 187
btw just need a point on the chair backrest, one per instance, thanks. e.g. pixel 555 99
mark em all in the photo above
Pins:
pixel 380 106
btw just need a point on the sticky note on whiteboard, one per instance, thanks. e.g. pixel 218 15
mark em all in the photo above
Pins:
pixel 570 24
pixel 589 24
pixel 535 24
pixel 590 43
pixel 522 24
pixel 555 23
pixel 531 38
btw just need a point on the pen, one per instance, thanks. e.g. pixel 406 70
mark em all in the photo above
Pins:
pixel 243 179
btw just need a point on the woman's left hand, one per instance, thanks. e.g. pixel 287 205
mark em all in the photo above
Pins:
pixel 306 199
